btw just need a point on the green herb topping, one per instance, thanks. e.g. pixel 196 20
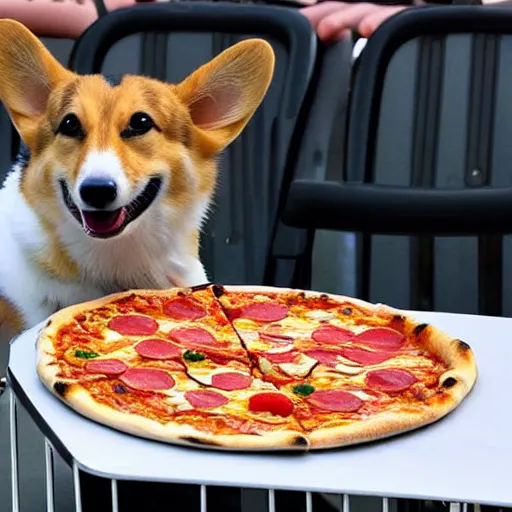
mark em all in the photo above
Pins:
pixel 86 355
pixel 190 355
pixel 303 389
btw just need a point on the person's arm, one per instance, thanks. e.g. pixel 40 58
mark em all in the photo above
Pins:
pixel 66 19
pixel 57 18
pixel 497 3
pixel 334 20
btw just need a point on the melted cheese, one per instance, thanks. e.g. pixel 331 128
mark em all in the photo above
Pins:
pixel 356 329
pixel 281 350
pixel 266 367
pixel 257 346
pixel 348 362
pixel 348 370
pixel 125 354
pixel 179 402
pixel 263 298
pixel 362 395
pixel 406 361
pixel 166 326
pixel 246 325
pixel 318 314
pixel 299 369
pixel 298 323
pixel 111 336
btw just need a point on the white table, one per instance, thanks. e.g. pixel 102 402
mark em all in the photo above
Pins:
pixel 465 457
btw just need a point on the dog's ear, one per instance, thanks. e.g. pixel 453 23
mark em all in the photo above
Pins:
pixel 28 74
pixel 223 95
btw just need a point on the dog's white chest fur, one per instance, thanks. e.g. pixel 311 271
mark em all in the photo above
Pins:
pixel 145 258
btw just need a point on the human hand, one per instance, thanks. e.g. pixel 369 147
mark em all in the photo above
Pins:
pixel 333 21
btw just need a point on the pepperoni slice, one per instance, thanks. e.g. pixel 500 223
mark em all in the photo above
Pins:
pixel 184 309
pixel 229 381
pixel 390 380
pixel 106 366
pixel 133 325
pixel 265 312
pixel 363 356
pixel 206 399
pixel 324 357
pixel 276 331
pixel 192 336
pixel 275 339
pixel 147 379
pixel 283 357
pixel 157 349
pixel 381 338
pixel 274 403
pixel 332 334
pixel 335 400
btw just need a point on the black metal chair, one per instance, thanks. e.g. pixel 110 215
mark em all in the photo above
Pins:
pixel 430 112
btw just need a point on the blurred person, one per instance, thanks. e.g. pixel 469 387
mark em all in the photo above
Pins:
pixel 333 20
pixel 57 18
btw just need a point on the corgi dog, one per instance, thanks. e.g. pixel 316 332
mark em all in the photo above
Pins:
pixel 114 181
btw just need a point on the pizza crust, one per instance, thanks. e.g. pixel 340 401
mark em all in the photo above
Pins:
pixel 377 427
pixel 456 354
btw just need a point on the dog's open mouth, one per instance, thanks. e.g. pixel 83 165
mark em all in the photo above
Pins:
pixel 106 224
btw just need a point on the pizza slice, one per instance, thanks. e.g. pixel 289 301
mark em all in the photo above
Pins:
pixel 269 330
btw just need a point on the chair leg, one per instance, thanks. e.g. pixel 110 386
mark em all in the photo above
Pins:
pixel 49 476
pixel 13 426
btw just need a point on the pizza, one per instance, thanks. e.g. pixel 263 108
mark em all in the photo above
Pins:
pixel 251 367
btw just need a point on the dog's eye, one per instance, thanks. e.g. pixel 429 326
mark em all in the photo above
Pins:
pixel 140 123
pixel 70 127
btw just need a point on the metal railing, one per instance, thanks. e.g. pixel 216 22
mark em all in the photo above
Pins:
pixel 339 503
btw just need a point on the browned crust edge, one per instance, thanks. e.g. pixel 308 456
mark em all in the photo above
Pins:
pixel 378 427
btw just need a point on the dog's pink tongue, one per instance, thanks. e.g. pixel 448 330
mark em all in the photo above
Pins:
pixel 103 222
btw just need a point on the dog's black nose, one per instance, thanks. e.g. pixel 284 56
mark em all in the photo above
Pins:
pixel 98 192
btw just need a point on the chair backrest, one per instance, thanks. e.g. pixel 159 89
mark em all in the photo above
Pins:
pixel 242 242
pixel 431 107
